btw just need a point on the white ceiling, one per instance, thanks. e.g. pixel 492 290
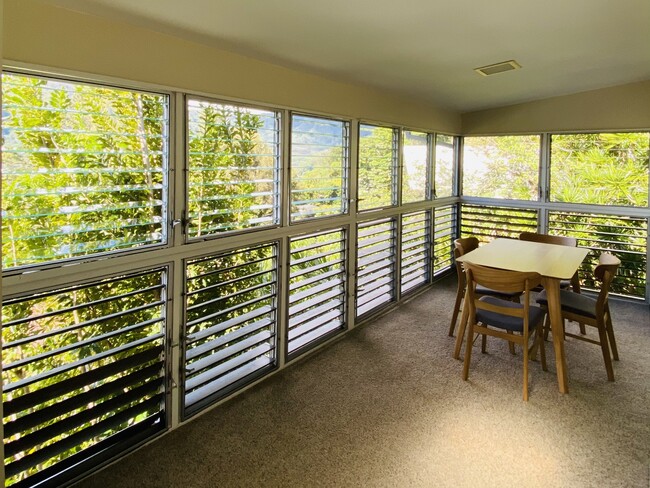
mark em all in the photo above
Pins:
pixel 419 48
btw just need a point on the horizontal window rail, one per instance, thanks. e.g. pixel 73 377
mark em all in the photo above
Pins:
pixel 83 369
pixel 230 322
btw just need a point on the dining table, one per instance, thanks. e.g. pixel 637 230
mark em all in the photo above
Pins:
pixel 553 262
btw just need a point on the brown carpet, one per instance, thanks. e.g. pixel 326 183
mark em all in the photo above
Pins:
pixel 386 407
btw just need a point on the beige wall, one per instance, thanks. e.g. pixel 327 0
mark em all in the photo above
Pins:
pixel 50 36
pixel 619 107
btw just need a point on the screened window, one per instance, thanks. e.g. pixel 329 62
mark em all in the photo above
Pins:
pixel 230 322
pixel 603 169
pixel 501 167
pixel 233 168
pixel 444 166
pixel 83 375
pixel 376 247
pixel 377 167
pixel 319 167
pixel 316 287
pixel 84 169
pixel 416 247
pixel 415 166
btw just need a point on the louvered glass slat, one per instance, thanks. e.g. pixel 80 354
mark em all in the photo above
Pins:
pixel 443 238
pixel 317 285
pixel 233 159
pixel 488 223
pixel 80 366
pixel 415 166
pixel 416 246
pixel 376 246
pixel 625 237
pixel 444 166
pixel 319 167
pixel 84 169
pixel 230 322
pixel 377 180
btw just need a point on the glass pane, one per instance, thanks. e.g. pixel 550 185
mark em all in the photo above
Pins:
pixel 416 245
pixel 375 265
pixel 625 237
pixel 444 226
pixel 488 223
pixel 444 169
pixel 233 159
pixel 230 322
pixel 84 169
pixel 316 288
pixel 83 372
pixel 603 169
pixel 319 167
pixel 501 167
pixel 415 167
pixel 377 167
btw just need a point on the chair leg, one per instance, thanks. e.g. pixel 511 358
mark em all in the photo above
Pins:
pixel 610 333
pixel 468 352
pixel 525 348
pixel 483 343
pixel 461 330
pixel 454 317
pixel 583 330
pixel 542 348
pixel 604 345
pixel 547 326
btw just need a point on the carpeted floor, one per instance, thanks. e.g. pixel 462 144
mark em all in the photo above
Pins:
pixel 386 407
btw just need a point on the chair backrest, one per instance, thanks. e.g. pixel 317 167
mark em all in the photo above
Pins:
pixel 463 246
pixel 548 239
pixel 503 281
pixel 605 271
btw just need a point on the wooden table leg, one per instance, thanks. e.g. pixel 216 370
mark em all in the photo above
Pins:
pixel 552 287
pixel 461 329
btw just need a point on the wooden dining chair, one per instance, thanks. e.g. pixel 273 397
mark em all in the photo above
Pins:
pixel 574 283
pixel 511 321
pixel 461 247
pixel 593 311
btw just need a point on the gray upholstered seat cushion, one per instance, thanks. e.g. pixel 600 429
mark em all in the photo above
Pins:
pixel 573 302
pixel 535 315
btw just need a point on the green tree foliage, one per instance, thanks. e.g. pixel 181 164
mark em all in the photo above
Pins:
pixel 603 169
pixel 501 167
pixel 233 168
pixel 377 167
pixel 319 160
pixel 444 166
pixel 415 160
pixel 83 170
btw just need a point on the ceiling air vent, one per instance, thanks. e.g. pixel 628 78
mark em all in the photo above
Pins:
pixel 493 69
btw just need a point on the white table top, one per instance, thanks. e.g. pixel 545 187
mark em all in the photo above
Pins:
pixel 550 260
